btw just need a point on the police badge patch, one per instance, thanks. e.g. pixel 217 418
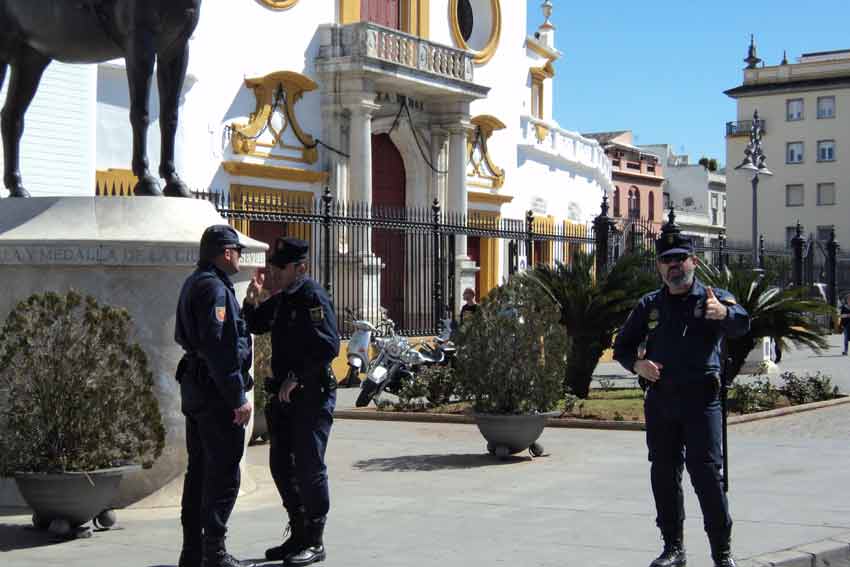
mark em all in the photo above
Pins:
pixel 317 314
pixel 221 314
pixel 653 319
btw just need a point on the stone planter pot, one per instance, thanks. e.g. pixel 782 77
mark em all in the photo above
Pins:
pixel 76 497
pixel 510 434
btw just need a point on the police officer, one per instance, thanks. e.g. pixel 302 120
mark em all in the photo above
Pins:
pixel 672 340
pixel 214 379
pixel 302 392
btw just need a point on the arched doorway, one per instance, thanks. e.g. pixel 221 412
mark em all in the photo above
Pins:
pixel 389 197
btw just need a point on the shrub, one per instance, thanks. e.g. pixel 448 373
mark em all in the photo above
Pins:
pixel 75 393
pixel 807 388
pixel 439 383
pixel 512 353
pixel 758 395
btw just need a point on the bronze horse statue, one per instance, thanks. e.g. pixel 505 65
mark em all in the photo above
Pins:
pixel 35 32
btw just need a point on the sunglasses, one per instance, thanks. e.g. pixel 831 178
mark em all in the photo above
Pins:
pixel 678 258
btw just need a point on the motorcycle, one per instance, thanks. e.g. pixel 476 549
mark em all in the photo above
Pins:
pixel 361 340
pixel 397 362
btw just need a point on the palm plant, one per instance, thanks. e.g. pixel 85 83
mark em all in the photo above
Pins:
pixel 592 308
pixel 786 315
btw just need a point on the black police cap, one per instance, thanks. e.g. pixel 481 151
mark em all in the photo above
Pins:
pixel 289 250
pixel 217 238
pixel 673 243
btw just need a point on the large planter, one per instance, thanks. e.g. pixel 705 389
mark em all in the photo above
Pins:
pixel 76 497
pixel 510 434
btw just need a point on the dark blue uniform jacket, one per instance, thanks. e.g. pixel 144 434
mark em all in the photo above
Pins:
pixel 303 323
pixel 210 327
pixel 677 334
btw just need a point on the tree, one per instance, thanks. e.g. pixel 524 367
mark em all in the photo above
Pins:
pixel 786 315
pixel 592 308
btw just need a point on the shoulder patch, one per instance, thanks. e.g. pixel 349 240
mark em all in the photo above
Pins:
pixel 317 314
pixel 221 314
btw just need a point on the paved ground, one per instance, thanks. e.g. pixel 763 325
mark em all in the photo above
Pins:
pixel 410 494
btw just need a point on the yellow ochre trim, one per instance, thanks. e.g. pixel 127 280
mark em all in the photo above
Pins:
pixel 274 172
pixel 541 50
pixel 488 198
pixel 486 125
pixel 279 4
pixel 249 198
pixel 349 11
pixel 483 56
pixel 114 182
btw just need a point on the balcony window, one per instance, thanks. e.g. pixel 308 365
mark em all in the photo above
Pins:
pixel 634 203
pixel 616 201
pixel 794 109
pixel 794 152
pixel 826 107
pixel 826 150
pixel 651 206
pixel 383 12
pixel 794 196
pixel 826 193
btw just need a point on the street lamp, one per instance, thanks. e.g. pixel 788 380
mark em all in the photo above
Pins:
pixel 754 161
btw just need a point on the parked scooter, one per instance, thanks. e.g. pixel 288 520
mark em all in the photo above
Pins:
pixel 358 347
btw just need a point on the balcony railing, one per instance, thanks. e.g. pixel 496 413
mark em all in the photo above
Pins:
pixel 741 128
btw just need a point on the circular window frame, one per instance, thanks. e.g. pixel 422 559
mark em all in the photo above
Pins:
pixel 486 53
pixel 279 4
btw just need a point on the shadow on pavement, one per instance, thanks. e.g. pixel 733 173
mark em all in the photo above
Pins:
pixel 16 536
pixel 434 462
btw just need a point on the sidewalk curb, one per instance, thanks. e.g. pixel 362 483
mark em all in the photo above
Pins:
pixel 831 552
pixel 421 417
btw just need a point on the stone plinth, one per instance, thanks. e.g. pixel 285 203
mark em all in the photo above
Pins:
pixel 128 252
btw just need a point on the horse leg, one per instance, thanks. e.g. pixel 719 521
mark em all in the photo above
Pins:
pixel 140 61
pixel 27 69
pixel 171 73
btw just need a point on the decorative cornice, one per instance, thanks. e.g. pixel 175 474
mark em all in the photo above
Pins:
pixel 279 4
pixel 542 50
pixel 487 52
pixel 547 71
pixel 276 92
pixel 488 198
pixel 541 131
pixel 483 167
pixel 247 169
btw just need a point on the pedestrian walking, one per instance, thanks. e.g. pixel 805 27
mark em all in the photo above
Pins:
pixel 844 318
pixel 682 325
pixel 214 380
pixel 302 393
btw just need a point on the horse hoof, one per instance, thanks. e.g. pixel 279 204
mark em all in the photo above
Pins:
pixel 147 186
pixel 19 192
pixel 177 189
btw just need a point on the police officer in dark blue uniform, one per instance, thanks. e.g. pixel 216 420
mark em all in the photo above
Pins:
pixel 672 339
pixel 214 379
pixel 302 392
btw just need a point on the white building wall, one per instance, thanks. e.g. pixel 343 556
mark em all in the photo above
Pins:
pixel 58 145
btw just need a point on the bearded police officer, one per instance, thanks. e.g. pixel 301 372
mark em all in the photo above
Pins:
pixel 678 330
pixel 214 379
pixel 305 341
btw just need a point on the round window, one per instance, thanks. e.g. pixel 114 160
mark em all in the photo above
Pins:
pixel 476 26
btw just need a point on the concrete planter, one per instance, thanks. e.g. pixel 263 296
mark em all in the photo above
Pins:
pixel 76 497
pixel 510 434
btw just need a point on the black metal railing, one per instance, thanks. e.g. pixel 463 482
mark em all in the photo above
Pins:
pixel 741 128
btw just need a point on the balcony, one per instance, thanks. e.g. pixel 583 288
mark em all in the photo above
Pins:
pixel 392 58
pixel 741 128
pixel 643 168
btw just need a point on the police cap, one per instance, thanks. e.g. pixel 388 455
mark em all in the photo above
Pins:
pixel 289 250
pixel 217 238
pixel 673 243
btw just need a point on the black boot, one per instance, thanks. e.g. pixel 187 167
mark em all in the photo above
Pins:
pixel 313 548
pixel 673 554
pixel 295 542
pixel 216 556
pixel 721 551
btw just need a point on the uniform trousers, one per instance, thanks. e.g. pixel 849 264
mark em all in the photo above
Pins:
pixel 683 428
pixel 298 437
pixel 215 446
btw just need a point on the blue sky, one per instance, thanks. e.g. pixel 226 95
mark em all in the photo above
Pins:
pixel 660 68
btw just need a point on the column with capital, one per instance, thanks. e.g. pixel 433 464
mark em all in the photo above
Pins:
pixel 457 203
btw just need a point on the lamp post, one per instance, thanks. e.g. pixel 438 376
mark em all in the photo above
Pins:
pixel 754 161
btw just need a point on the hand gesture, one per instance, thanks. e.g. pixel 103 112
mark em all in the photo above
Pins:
pixel 286 390
pixel 714 310
pixel 649 370
pixel 255 288
pixel 242 414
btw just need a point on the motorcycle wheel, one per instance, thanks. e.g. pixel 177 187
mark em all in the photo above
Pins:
pixel 367 391
pixel 352 379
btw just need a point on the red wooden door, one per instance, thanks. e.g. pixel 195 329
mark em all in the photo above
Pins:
pixel 388 200
pixel 383 12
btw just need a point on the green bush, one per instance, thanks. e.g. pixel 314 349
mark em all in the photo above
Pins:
pixel 807 388
pixel 758 395
pixel 75 392
pixel 512 353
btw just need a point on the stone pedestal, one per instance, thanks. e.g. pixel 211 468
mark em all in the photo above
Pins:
pixel 128 252
pixel 760 359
